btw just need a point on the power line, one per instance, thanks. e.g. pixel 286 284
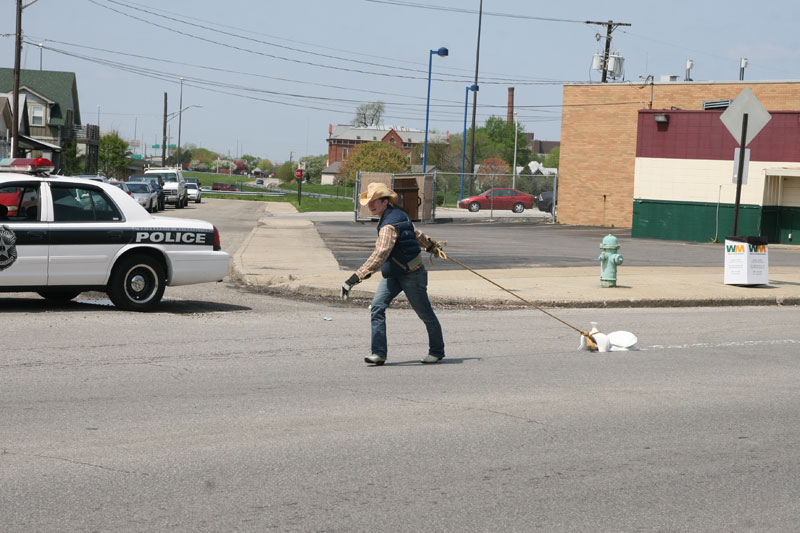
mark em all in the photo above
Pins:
pixel 309 63
pixel 285 39
pixel 214 86
pixel 472 11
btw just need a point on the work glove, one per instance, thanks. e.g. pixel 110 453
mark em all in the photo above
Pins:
pixel 435 248
pixel 351 282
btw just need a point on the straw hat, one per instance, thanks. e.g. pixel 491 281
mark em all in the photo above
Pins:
pixel 377 190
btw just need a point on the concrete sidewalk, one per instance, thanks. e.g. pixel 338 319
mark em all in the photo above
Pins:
pixel 284 253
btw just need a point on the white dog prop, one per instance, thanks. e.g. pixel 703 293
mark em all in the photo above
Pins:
pixel 616 341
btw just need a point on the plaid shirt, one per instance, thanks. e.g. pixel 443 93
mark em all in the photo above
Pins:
pixel 383 247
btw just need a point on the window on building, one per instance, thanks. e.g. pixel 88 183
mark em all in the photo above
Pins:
pixel 344 153
pixel 37 115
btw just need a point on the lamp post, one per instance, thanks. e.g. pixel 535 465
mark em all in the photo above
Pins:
pixel 167 118
pixel 441 52
pixel 472 88
pixel 516 130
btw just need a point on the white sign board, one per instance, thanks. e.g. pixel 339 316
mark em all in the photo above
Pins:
pixel 736 165
pixel 757 116
pixel 746 261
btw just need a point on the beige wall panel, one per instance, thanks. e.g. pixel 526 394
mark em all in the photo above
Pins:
pixel 698 180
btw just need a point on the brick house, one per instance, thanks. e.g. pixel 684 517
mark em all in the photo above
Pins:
pixel 599 138
pixel 54 116
pixel 343 138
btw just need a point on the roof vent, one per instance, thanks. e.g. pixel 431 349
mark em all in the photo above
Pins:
pixel 716 104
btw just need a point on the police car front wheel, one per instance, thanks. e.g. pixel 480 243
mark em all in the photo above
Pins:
pixel 137 283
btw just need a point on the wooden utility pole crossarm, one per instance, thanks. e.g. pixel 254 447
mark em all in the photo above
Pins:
pixel 610 27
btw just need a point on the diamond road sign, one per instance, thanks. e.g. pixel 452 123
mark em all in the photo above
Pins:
pixel 757 116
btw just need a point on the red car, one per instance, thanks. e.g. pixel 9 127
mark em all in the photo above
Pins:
pixel 498 198
pixel 219 186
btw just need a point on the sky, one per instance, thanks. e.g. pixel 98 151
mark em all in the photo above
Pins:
pixel 267 78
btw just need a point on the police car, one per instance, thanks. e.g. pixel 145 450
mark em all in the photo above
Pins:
pixel 60 236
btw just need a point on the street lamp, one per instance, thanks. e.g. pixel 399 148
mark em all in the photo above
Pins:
pixel 441 52
pixel 473 88
pixel 516 130
pixel 175 113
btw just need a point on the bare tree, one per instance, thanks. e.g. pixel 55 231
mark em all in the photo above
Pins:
pixel 370 114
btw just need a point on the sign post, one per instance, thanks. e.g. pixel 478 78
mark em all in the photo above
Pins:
pixel 744 118
pixel 739 174
pixel 299 175
pixel 746 258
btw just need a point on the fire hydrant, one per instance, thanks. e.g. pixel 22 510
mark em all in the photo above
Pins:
pixel 609 259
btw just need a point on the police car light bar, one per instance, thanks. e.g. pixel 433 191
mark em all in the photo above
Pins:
pixel 40 165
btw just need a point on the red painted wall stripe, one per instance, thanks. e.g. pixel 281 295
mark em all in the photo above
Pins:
pixel 702 135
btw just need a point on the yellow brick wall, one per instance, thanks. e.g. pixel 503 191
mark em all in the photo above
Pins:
pixel 598 139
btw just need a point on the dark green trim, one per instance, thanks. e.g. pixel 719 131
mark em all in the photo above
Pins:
pixel 691 221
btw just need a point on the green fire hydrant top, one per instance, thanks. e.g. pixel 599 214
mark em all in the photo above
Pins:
pixel 610 243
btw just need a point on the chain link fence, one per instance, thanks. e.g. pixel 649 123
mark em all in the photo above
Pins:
pixel 519 194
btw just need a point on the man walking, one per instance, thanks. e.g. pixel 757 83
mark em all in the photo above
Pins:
pixel 398 256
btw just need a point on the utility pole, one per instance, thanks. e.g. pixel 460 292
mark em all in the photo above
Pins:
pixel 15 104
pixel 475 102
pixel 610 27
pixel 164 144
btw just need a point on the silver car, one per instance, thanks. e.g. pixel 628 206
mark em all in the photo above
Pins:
pixel 195 194
pixel 144 194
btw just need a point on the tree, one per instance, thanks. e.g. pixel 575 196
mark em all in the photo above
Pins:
pixel 551 159
pixel 285 172
pixel 204 155
pixel 445 156
pixel 489 170
pixel 370 114
pixel 73 163
pixel 372 157
pixel 113 154
pixel 501 135
pixel 266 166
pixel 315 164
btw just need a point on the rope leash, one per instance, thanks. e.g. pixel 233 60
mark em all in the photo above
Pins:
pixel 437 251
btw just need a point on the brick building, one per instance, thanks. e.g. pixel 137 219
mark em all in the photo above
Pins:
pixel 599 138
pixel 343 138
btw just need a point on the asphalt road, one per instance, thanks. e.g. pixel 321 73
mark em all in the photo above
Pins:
pixel 229 410
pixel 524 245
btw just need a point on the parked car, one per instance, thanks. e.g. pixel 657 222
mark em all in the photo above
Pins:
pixel 119 184
pixel 69 235
pixel 259 181
pixel 174 185
pixel 156 183
pixel 219 186
pixel 545 201
pixel 498 198
pixel 194 192
pixel 144 194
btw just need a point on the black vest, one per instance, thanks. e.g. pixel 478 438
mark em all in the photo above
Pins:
pixel 405 248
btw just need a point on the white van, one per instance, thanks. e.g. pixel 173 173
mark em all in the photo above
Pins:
pixel 174 186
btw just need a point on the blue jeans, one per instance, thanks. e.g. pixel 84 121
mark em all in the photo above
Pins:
pixel 415 285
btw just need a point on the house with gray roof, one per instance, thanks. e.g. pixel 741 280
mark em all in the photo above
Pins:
pixel 53 115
